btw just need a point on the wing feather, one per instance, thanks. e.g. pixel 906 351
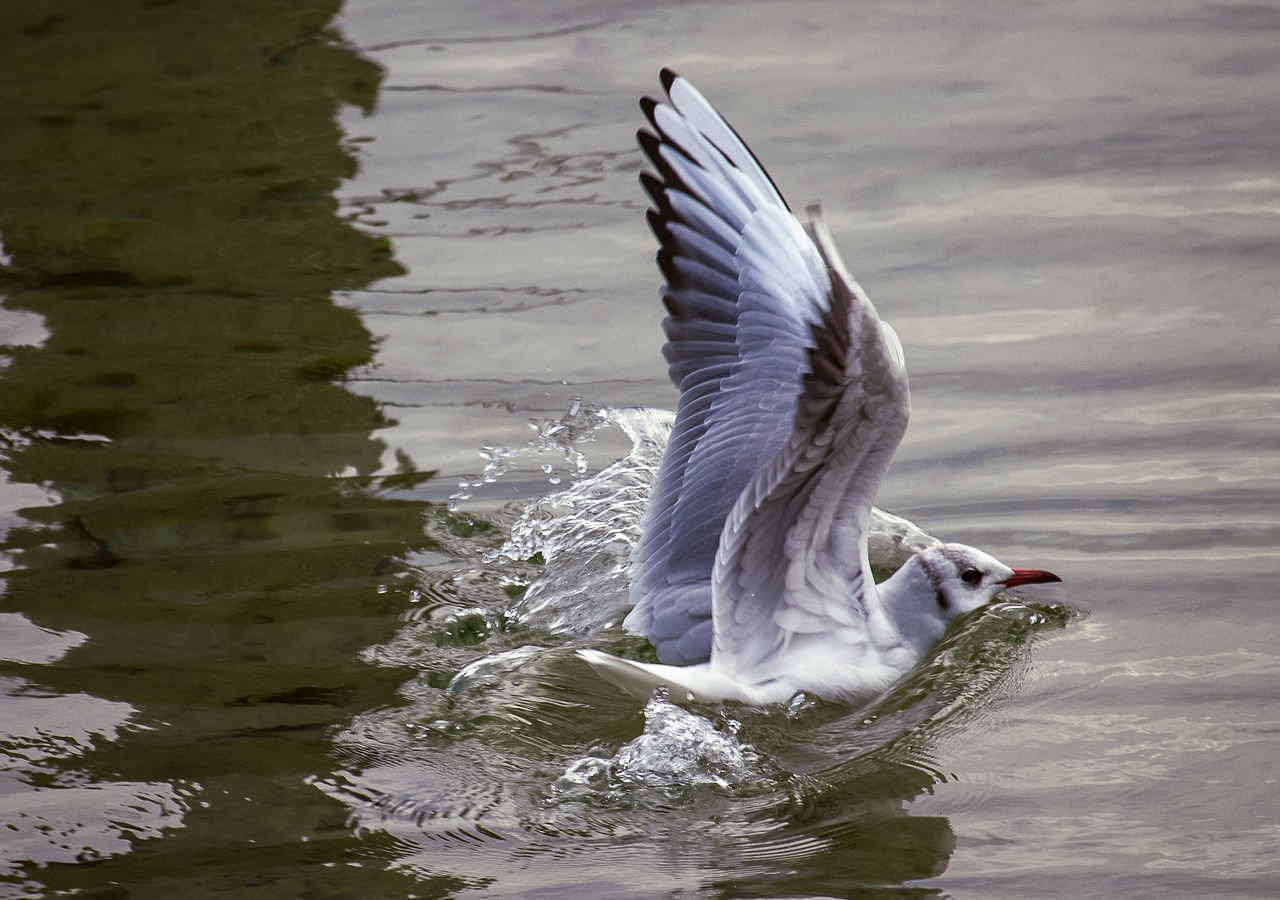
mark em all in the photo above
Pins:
pixel 708 121
pixel 744 285
pixel 793 555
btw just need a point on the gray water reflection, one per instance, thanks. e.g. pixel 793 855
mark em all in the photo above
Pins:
pixel 183 607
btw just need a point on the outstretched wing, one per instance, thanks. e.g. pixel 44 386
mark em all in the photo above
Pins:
pixel 745 287
pixel 793 553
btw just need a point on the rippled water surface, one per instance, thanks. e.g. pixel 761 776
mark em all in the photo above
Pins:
pixel 291 585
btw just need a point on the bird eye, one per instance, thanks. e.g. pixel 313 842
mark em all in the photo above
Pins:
pixel 970 576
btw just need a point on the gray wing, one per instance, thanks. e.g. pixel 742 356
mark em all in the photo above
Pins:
pixel 745 286
pixel 793 555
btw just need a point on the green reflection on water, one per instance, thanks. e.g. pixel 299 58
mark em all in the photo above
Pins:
pixel 166 204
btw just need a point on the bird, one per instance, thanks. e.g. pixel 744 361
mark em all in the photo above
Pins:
pixel 751 578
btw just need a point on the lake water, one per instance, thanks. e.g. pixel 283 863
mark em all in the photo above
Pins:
pixel 285 283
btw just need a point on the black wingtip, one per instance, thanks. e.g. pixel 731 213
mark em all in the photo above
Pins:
pixel 647 106
pixel 650 143
pixel 658 225
pixel 668 77
pixel 655 188
pixel 667 266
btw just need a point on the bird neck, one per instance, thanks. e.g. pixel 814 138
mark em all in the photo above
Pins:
pixel 910 602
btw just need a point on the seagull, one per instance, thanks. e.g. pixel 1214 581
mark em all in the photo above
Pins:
pixel 752 578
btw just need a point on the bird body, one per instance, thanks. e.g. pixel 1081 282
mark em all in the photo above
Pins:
pixel 752 578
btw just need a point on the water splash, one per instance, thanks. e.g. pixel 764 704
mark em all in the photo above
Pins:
pixel 678 753
pixel 561 436
pixel 585 533
pixel 493 670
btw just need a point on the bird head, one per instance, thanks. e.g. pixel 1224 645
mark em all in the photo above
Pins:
pixel 939 584
pixel 964 579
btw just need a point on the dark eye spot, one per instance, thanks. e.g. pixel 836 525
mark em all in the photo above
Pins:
pixel 970 576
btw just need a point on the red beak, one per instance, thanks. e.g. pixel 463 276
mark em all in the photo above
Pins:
pixel 1029 576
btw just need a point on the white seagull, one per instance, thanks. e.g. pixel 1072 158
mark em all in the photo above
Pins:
pixel 752 578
